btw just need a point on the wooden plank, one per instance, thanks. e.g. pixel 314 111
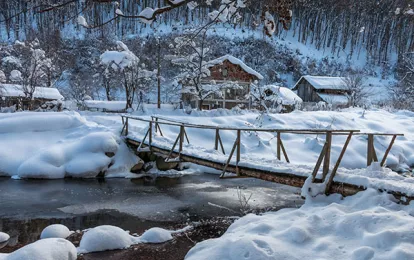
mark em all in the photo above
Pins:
pixel 388 150
pixel 319 162
pixel 150 134
pixel 126 126
pixel 338 162
pixel 181 135
pixel 327 159
pixel 369 149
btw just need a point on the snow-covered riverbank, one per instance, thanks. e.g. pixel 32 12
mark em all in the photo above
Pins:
pixel 57 145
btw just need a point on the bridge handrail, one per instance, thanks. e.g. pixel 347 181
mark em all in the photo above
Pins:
pixel 293 131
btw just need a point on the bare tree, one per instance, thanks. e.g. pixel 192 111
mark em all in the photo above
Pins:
pixel 357 91
pixel 403 90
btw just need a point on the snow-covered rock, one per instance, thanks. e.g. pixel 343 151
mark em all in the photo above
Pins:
pixel 368 225
pixel 55 231
pixel 104 238
pixel 4 237
pixel 156 235
pixel 45 249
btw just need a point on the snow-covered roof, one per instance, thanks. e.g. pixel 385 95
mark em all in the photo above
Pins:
pixel 107 105
pixel 323 82
pixel 285 95
pixel 334 99
pixel 235 61
pixel 14 90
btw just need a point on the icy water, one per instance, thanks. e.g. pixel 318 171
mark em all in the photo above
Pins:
pixel 27 206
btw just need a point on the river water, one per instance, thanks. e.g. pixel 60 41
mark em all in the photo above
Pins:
pixel 27 206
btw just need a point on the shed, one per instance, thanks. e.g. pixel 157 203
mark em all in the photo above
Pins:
pixel 13 95
pixel 226 70
pixel 314 89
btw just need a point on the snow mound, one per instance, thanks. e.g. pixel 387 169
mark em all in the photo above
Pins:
pixel 368 225
pixel 39 122
pixel 84 157
pixel 4 237
pixel 156 235
pixel 105 238
pixel 45 249
pixel 55 231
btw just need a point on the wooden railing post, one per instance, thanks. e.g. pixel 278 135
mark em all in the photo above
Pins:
pixel 126 126
pixel 238 152
pixel 371 154
pixel 150 135
pixel 216 141
pixel 181 138
pixel 278 146
pixel 327 159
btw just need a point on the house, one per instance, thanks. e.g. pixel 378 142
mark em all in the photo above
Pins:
pixel 315 89
pixel 276 97
pixel 226 71
pixel 13 95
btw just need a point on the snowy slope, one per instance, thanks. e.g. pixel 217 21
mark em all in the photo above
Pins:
pixel 368 225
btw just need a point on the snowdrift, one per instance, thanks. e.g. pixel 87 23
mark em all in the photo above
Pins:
pixel 57 145
pixel 368 225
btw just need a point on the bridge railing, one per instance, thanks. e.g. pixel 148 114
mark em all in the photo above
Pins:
pixel 324 159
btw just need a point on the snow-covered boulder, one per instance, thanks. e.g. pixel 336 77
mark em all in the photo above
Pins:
pixel 45 249
pixel 156 235
pixel 55 231
pixel 104 238
pixel 4 237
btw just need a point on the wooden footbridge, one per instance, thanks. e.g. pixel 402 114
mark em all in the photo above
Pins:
pixel 150 143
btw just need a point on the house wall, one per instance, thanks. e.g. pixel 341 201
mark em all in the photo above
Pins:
pixel 307 92
pixel 225 72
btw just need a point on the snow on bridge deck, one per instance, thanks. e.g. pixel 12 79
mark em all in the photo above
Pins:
pixel 345 181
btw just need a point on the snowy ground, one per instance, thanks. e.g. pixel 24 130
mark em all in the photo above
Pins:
pixel 368 225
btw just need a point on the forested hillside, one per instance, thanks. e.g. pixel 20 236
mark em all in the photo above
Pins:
pixel 327 37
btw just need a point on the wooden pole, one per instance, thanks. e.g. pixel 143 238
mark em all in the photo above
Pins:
pixel 388 150
pixel 216 141
pixel 338 162
pixel 229 159
pixel 150 135
pixel 238 152
pixel 126 128
pixel 327 159
pixel 370 144
pixel 278 145
pixel 284 151
pixel 182 130
pixel 186 136
pixel 319 162
pixel 221 144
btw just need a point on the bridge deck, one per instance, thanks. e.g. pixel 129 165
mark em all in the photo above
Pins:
pixel 291 179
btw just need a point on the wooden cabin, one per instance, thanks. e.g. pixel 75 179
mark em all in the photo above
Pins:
pixel 13 95
pixel 315 89
pixel 226 70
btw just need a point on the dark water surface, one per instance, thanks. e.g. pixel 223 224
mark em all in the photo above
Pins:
pixel 28 206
